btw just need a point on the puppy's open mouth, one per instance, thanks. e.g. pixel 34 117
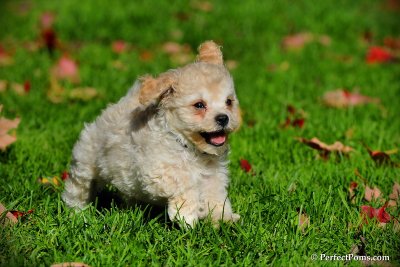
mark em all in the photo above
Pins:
pixel 215 138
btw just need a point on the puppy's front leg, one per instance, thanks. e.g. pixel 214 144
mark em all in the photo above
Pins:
pixel 184 206
pixel 215 201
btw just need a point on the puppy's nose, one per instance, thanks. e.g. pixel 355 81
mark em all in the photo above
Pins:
pixel 222 119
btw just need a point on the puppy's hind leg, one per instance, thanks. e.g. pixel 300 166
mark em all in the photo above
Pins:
pixel 79 188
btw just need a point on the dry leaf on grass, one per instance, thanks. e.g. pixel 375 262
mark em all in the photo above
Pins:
pixel 9 218
pixel 5 58
pixel 66 69
pixel 298 40
pixel 119 46
pixel 84 93
pixel 70 264
pixel 325 149
pixel 5 126
pixel 342 98
pixel 3 85
pixel 303 221
pixel 295 118
pixel 382 157
pixel 372 193
pixel 57 94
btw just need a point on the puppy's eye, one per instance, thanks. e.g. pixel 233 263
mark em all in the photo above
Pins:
pixel 229 102
pixel 200 105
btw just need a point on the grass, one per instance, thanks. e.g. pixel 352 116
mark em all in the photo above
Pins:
pixel 288 177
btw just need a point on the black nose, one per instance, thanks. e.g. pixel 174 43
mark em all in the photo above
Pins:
pixel 222 120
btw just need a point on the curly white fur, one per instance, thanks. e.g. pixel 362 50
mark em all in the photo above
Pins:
pixel 149 145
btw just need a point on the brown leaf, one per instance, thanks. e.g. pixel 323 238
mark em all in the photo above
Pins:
pixel 202 5
pixel 325 149
pixel 395 192
pixel 297 41
pixel 5 126
pixel 382 157
pixel 341 98
pixel 372 193
pixel 55 93
pixel 70 264
pixel 5 58
pixel 231 64
pixel 303 222
pixel 3 86
pixel 9 218
pixel 146 56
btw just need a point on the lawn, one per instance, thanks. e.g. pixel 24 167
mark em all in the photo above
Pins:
pixel 287 181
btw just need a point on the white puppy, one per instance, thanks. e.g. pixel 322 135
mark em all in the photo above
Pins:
pixel 164 143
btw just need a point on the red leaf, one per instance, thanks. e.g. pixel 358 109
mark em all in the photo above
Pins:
pixel 66 68
pixel 49 39
pixel 27 86
pixel 298 123
pixel 380 214
pixel 119 46
pixel 47 20
pixel 378 54
pixel 20 214
pixel 341 98
pixel 64 175
pixel 245 165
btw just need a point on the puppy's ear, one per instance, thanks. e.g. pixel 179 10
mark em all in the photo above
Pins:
pixel 210 52
pixel 153 90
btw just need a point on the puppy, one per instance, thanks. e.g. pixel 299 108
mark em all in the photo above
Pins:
pixel 164 143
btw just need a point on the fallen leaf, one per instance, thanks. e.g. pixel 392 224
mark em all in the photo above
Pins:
pixel 3 86
pixel 245 165
pixel 202 5
pixel 392 43
pixel 352 191
pixel 231 64
pixel 64 175
pixel 325 149
pixel 54 181
pixel 295 118
pixel 382 157
pixel 9 218
pixel 55 93
pixel 146 55
pixel 5 126
pixel 380 214
pixel 341 98
pixel 297 41
pixel 371 193
pixel 66 69
pixel 179 53
pixel 395 191
pixel 5 58
pixel 70 264
pixel 47 20
pixel 119 46
pixel 21 89
pixel 394 196
pixel 84 94
pixel 49 39
pixel 48 35
pixel 324 40
pixel 304 221
pixel 378 54
pixel 20 214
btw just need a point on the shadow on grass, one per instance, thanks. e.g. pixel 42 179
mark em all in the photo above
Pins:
pixel 110 198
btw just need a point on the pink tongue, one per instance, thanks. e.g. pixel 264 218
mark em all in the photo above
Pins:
pixel 217 140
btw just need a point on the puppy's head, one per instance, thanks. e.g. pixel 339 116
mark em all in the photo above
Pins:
pixel 198 100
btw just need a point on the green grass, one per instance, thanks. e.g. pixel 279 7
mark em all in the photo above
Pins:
pixel 251 33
